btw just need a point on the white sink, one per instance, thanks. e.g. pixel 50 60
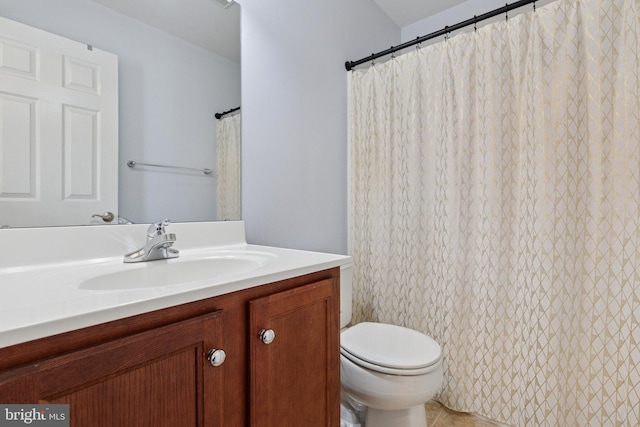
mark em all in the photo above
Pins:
pixel 47 288
pixel 176 271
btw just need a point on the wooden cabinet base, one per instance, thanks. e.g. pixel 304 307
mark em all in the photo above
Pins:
pixel 152 369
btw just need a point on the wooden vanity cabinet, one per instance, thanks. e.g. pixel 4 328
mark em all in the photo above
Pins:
pixel 295 377
pixel 155 378
pixel 152 369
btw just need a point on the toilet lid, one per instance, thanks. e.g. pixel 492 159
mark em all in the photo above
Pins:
pixel 390 346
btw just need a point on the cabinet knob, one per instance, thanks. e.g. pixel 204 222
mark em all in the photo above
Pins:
pixel 267 335
pixel 216 357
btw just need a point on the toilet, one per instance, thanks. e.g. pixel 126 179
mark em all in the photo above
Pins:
pixel 387 372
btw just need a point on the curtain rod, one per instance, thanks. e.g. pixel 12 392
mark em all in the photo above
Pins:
pixel 221 115
pixel 446 30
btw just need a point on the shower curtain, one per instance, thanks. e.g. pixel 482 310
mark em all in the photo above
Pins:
pixel 228 142
pixel 495 206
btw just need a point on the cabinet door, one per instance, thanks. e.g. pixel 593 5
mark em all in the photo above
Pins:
pixel 154 378
pixel 295 379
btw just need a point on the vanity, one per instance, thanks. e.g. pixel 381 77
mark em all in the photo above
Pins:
pixel 226 334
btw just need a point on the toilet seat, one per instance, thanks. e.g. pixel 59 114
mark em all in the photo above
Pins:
pixel 390 349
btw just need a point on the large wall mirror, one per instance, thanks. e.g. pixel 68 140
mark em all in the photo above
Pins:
pixel 178 64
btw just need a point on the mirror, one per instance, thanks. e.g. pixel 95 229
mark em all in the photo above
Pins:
pixel 178 65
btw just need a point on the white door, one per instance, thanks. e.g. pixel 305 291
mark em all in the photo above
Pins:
pixel 58 129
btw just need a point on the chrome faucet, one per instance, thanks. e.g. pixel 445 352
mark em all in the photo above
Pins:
pixel 158 245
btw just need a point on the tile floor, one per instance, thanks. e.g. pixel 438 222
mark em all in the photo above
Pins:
pixel 439 416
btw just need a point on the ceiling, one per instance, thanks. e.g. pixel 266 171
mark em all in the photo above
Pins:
pixel 217 28
pixel 211 25
pixel 406 12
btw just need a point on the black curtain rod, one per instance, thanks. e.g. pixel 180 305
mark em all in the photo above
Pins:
pixel 446 30
pixel 221 115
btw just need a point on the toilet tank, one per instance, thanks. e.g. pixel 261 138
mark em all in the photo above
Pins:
pixel 346 292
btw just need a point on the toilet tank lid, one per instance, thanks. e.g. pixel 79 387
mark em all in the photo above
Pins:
pixel 390 346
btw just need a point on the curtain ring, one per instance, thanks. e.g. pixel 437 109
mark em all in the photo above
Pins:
pixel 506 11
pixel 534 6
pixel 475 23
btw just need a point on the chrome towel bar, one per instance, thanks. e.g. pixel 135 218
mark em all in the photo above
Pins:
pixel 133 163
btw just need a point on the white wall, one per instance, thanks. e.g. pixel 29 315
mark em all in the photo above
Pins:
pixel 169 93
pixel 294 102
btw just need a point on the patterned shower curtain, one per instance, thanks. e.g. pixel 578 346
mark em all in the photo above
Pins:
pixel 495 206
pixel 228 143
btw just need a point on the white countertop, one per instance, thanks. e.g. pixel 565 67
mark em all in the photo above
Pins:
pixel 40 299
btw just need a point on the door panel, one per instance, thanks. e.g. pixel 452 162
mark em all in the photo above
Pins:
pixel 157 378
pixel 296 378
pixel 58 129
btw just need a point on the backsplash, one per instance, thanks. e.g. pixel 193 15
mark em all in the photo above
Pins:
pixel 31 246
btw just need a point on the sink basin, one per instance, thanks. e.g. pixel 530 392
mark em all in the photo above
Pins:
pixel 175 272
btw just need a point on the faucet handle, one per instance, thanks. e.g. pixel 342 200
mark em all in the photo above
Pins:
pixel 157 228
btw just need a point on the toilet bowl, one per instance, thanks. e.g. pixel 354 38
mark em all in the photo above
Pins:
pixel 388 370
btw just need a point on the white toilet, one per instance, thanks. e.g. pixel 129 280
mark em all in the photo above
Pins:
pixel 387 372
